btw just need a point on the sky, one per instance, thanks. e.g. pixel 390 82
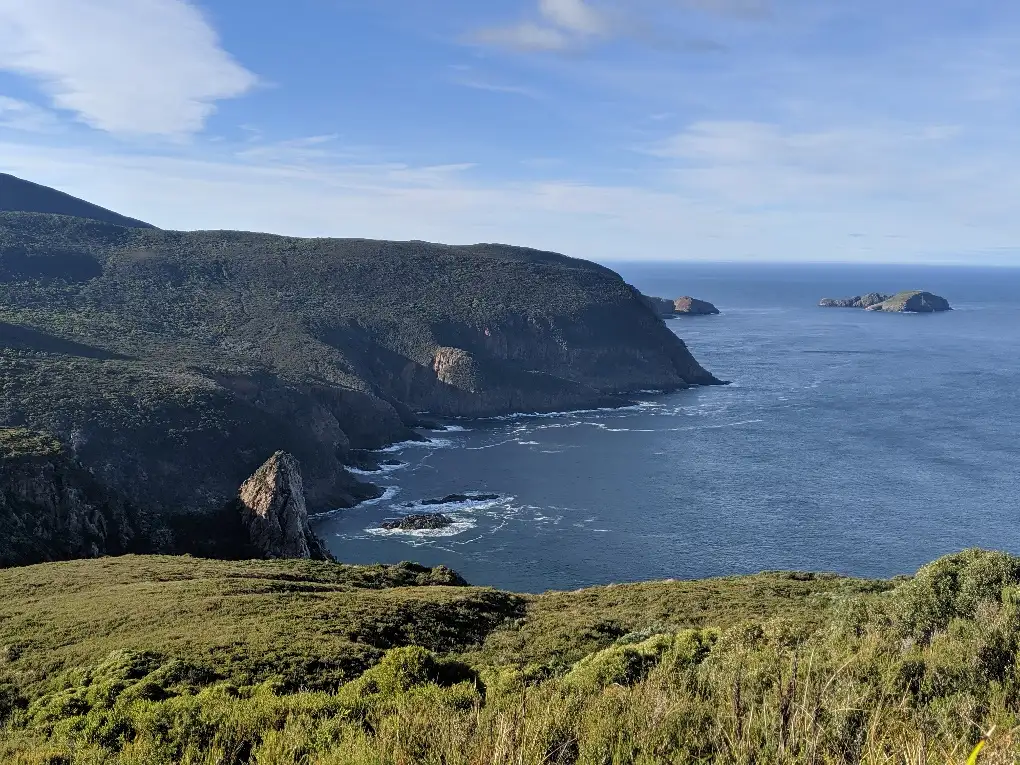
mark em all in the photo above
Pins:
pixel 737 130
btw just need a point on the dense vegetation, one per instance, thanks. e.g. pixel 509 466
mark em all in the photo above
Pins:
pixel 163 660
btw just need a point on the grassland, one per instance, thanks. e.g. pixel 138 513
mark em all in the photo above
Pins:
pixel 170 660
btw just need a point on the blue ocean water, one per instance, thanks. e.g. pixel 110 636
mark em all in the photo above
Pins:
pixel 862 443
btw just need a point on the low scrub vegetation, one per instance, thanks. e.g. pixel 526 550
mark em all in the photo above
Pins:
pixel 775 668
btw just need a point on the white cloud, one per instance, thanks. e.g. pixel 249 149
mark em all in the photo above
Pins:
pixel 574 15
pixel 21 115
pixel 755 163
pixel 802 198
pixel 524 36
pixel 124 66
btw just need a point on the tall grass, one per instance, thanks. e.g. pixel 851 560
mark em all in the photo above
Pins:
pixel 924 673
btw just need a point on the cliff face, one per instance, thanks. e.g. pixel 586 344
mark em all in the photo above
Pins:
pixel 172 363
pixel 272 510
pixel 51 509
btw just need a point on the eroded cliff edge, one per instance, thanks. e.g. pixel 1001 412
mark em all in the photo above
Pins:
pixel 172 364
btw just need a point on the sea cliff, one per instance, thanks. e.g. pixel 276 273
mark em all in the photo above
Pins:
pixel 171 365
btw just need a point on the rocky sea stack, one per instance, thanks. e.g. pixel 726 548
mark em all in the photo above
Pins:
pixel 273 511
pixel 688 306
pixel 914 301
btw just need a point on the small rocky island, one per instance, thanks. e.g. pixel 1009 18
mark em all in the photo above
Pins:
pixel 418 522
pixel 911 301
pixel 682 306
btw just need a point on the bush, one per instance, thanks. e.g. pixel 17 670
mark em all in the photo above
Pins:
pixel 951 588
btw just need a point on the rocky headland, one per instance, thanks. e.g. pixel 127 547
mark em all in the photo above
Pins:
pixel 170 366
pixel 681 306
pixel 913 301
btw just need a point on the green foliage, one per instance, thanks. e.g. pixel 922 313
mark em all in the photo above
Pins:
pixel 21 442
pixel 953 587
pixel 795 669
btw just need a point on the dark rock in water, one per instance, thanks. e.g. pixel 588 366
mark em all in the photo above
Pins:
pixel 915 301
pixel 688 306
pixel 418 522
pixel 273 510
pixel 858 301
pixel 453 498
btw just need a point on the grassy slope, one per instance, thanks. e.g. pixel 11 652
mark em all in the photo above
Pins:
pixel 165 660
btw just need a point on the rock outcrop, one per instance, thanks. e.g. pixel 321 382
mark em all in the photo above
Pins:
pixel 274 514
pixel 51 509
pixel 915 301
pixel 452 499
pixel 682 306
pixel 688 306
pixel 418 522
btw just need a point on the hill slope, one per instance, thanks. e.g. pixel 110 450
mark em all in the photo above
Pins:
pixel 172 365
pixel 187 660
pixel 17 195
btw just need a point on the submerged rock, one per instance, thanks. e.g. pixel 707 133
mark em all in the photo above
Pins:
pixel 273 510
pixel 418 522
pixel 688 306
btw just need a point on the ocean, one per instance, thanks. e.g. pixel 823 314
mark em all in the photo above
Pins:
pixel 854 442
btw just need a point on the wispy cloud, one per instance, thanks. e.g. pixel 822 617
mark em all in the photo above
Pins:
pixel 123 66
pixel 21 115
pixel 560 25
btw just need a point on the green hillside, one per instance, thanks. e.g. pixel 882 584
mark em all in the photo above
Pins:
pixel 170 660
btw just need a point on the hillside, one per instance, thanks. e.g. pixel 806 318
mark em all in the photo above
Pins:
pixel 188 660
pixel 171 365
pixel 17 195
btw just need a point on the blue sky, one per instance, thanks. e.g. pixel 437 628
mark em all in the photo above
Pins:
pixel 764 130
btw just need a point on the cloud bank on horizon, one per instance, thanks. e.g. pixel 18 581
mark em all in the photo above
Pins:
pixel 608 129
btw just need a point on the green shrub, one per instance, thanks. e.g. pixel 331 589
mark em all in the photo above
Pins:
pixel 953 587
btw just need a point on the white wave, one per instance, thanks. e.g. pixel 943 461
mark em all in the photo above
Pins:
pixel 459 526
pixel 389 492
pixel 529 443
pixel 451 429
pixel 467 506
pixel 432 443
pixel 381 470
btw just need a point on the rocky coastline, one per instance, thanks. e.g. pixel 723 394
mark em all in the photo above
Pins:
pixel 170 366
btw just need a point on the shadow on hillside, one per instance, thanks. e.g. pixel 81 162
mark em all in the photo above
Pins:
pixel 28 339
